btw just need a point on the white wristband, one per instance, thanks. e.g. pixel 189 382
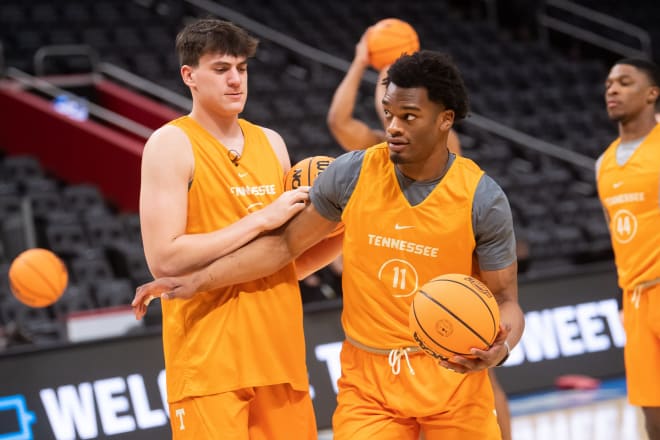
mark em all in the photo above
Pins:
pixel 508 352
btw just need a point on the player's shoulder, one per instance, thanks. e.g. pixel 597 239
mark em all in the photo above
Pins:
pixel 167 135
pixel 346 165
pixel 273 136
pixel 467 163
pixel 350 158
pixel 598 163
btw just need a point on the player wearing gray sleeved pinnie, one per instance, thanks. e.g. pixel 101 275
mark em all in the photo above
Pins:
pixel 491 214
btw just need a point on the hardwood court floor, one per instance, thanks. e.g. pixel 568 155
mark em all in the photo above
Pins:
pixel 601 414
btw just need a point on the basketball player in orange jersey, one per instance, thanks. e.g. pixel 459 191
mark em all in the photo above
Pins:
pixel 412 211
pixel 349 132
pixel 410 184
pixel 211 182
pixel 628 176
pixel 353 134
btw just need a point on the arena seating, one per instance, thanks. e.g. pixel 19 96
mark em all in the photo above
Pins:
pixel 523 84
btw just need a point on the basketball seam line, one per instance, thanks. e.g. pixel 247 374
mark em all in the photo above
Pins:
pixel 436 342
pixel 469 327
pixel 477 294
pixel 309 172
pixel 419 324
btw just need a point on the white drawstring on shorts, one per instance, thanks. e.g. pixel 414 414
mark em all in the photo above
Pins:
pixel 637 291
pixel 394 355
pixel 637 294
pixel 395 360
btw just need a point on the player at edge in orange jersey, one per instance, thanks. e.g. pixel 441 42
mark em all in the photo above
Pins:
pixel 210 183
pixel 628 177
pixel 353 134
pixel 407 182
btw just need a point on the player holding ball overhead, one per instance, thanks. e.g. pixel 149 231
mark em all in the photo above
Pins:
pixel 411 211
pixel 380 45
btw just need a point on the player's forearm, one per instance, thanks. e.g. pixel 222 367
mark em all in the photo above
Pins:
pixel 261 258
pixel 190 252
pixel 343 101
pixel 319 256
pixel 512 315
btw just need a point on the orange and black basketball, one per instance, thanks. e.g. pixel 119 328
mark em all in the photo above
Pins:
pixel 388 39
pixel 304 173
pixel 453 313
pixel 37 277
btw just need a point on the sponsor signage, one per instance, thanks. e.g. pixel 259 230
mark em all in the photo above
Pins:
pixel 115 388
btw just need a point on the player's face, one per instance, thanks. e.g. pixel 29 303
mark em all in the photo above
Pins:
pixel 628 92
pixel 218 82
pixel 416 127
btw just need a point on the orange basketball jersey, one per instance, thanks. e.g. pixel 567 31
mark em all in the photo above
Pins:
pixel 245 335
pixel 391 248
pixel 630 196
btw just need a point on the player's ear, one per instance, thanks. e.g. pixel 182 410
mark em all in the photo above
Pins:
pixel 446 119
pixel 653 94
pixel 187 75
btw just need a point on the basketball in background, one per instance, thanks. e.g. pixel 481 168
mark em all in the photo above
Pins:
pixel 37 277
pixel 388 39
pixel 304 173
pixel 453 313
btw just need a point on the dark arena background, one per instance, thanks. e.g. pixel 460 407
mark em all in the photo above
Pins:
pixel 84 83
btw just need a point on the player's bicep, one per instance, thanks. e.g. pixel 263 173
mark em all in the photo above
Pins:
pixel 166 173
pixel 356 135
pixel 493 226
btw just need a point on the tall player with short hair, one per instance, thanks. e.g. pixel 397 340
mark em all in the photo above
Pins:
pixel 628 176
pixel 444 202
pixel 210 183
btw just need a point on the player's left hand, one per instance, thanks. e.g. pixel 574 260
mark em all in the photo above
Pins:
pixel 166 288
pixel 482 359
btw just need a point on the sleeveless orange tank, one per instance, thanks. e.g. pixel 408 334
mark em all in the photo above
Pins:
pixel 630 195
pixel 245 335
pixel 391 248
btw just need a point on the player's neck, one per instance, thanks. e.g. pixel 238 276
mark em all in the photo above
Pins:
pixel 433 167
pixel 223 128
pixel 636 128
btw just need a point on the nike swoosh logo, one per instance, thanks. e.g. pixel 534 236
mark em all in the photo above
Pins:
pixel 241 175
pixel 617 185
pixel 399 227
pixel 254 205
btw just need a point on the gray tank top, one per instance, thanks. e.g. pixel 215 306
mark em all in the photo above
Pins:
pixel 491 214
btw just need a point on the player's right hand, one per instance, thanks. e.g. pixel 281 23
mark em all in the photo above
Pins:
pixel 286 206
pixel 362 50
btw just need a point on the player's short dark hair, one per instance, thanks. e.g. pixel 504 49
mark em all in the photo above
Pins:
pixel 437 73
pixel 649 68
pixel 210 35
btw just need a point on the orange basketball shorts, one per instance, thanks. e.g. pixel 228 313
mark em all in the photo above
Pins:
pixel 374 403
pixel 642 350
pixel 276 412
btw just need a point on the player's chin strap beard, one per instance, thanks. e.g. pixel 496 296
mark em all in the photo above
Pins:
pixel 234 156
